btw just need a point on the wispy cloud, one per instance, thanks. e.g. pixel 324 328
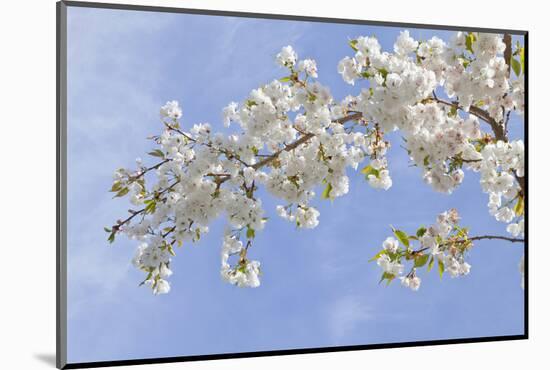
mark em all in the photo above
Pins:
pixel 346 315
pixel 112 94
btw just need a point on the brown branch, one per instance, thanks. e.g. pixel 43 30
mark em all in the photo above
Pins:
pixel 143 172
pixel 224 177
pixel 511 240
pixel 305 138
pixel 498 129
pixel 119 224
pixel 287 148
pixel 485 237
pixel 116 227
pixel 227 153
pixel 217 174
pixel 168 232
pixel 456 158
pixel 473 238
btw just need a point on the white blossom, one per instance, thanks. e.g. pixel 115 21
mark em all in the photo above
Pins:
pixel 308 66
pixel 405 44
pixel 411 282
pixel 390 267
pixel 171 110
pixel 391 244
pixel 161 287
pixel 287 57
pixel 307 217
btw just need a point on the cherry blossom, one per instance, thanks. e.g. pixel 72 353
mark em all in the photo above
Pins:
pixel 451 103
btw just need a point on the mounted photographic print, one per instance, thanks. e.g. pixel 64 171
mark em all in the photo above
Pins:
pixel 237 185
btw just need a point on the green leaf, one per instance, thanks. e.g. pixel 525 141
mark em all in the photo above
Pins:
pixel 250 103
pixel 387 276
pixel 285 79
pixel 461 231
pixel 151 206
pixel 421 231
pixel 383 72
pixel 149 276
pixel 353 45
pixel 453 111
pixel 421 260
pixel 326 192
pixel 402 237
pixel 157 153
pixel 111 237
pixel 518 209
pixel 426 161
pixel 366 74
pixel 107 230
pixel 378 255
pixel 122 192
pixel 250 233
pixel 441 268
pixel 431 264
pixel 522 58
pixel 470 39
pixel 369 170
pixel 171 250
pixel 117 185
pixel 516 66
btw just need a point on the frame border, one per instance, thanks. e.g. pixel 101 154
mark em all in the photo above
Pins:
pixel 61 187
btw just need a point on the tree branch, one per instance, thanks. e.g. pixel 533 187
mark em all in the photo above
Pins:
pixel 144 171
pixel 305 138
pixel 473 238
pixel 119 224
pixel 498 129
pixel 227 153
pixel 511 240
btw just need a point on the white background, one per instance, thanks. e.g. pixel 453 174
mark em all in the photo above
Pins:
pixel 27 194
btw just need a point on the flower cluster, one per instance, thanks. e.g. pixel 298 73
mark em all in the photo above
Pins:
pixel 153 257
pixel 291 137
pixel 441 136
pixel 245 273
pixel 444 243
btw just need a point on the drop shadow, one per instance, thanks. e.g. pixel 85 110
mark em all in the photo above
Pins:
pixel 46 358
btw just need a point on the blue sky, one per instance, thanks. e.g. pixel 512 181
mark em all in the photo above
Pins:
pixel 318 288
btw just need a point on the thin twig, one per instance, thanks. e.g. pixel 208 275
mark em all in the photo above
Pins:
pixel 143 172
pixel 305 138
pixel 473 238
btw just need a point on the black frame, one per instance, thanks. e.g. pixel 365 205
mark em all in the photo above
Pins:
pixel 61 197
